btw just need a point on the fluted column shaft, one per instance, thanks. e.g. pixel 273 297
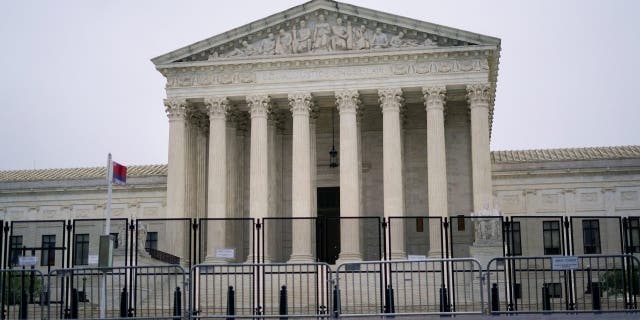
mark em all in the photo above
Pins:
pixel 434 98
pixel 217 169
pixel 176 172
pixel 393 189
pixel 478 96
pixel 259 108
pixel 348 101
pixel 301 178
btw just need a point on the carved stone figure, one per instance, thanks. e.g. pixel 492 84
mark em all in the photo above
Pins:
pixel 142 239
pixel 246 50
pixel 302 38
pixel 268 45
pixel 400 41
pixel 340 36
pixel 284 44
pixel 487 226
pixel 322 35
pixel 360 40
pixel 379 39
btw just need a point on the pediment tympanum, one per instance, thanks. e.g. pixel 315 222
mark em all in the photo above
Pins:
pixel 324 27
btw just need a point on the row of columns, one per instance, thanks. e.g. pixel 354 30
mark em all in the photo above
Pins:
pixel 303 164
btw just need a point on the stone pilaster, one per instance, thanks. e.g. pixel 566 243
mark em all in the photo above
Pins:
pixel 217 170
pixel 350 204
pixel 391 102
pixel 201 165
pixel 301 178
pixel 313 117
pixel 259 109
pixel 176 109
pixel 232 178
pixel 478 97
pixel 434 100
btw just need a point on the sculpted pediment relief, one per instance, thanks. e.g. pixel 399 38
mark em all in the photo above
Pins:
pixel 324 31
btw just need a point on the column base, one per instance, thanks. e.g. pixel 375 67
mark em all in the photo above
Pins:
pixel 398 255
pixel 348 257
pixel 210 259
pixel 435 254
pixel 301 258
pixel 250 258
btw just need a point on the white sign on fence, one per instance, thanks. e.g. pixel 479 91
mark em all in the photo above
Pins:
pixel 226 253
pixel 27 260
pixel 93 259
pixel 564 263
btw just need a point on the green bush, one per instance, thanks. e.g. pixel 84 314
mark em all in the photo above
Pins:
pixel 613 281
pixel 12 286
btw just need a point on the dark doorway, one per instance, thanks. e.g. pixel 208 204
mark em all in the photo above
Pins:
pixel 328 226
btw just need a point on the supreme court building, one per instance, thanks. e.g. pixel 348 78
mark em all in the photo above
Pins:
pixel 349 116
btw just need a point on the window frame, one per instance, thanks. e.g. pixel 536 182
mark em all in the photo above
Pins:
pixel 555 289
pixel 591 232
pixel 15 249
pixel 515 234
pixel 634 234
pixel 44 252
pixel 551 228
pixel 81 248
pixel 151 242
pixel 115 236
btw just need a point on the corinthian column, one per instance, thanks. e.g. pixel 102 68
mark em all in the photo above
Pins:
pixel 259 108
pixel 478 97
pixel 347 101
pixel 176 109
pixel 301 178
pixel 434 98
pixel 217 186
pixel 391 102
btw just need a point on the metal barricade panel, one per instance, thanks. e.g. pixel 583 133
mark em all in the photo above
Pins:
pixel 236 234
pixel 140 292
pixel 23 294
pixel 163 241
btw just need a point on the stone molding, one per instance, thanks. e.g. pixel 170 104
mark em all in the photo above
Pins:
pixel 434 97
pixel 217 107
pixel 347 101
pixel 300 103
pixel 259 105
pixel 479 95
pixel 390 99
pixel 176 108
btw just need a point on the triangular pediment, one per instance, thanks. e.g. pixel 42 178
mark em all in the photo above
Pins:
pixel 321 27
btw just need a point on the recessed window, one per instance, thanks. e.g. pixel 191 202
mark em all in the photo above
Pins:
pixel 48 256
pixel 591 236
pixel 81 249
pixel 461 226
pixel 551 237
pixel 152 241
pixel 16 246
pixel 555 289
pixel 516 239
pixel 114 236
pixel 634 234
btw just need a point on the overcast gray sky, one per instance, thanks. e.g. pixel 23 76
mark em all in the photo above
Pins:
pixel 76 81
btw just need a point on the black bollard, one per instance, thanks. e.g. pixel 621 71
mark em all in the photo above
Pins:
pixel 336 301
pixel 123 303
pixel 444 300
pixel 546 298
pixel 595 296
pixel 389 306
pixel 177 303
pixel 283 303
pixel 74 303
pixel 23 311
pixel 495 298
pixel 231 302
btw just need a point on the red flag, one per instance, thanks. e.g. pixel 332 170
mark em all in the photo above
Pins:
pixel 119 173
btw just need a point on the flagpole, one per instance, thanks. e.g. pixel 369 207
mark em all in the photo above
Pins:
pixel 107 231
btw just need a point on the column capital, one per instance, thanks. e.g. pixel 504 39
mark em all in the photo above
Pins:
pixel 478 94
pixel 434 97
pixel 217 106
pixel 176 108
pixel 347 100
pixel 259 105
pixel 300 103
pixel 390 99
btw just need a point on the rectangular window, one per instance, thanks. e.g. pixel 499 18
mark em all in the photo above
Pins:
pixel 591 236
pixel 114 236
pixel 551 237
pixel 634 234
pixel 555 289
pixel 461 226
pixel 516 240
pixel 48 256
pixel 152 241
pixel 81 249
pixel 16 245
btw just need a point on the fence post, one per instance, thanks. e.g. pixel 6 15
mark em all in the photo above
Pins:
pixel 283 303
pixel 23 314
pixel 389 306
pixel 177 302
pixel 495 298
pixel 74 303
pixel 123 302
pixel 231 302
pixel 444 299
pixel 595 296
pixel 336 301
pixel 546 298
